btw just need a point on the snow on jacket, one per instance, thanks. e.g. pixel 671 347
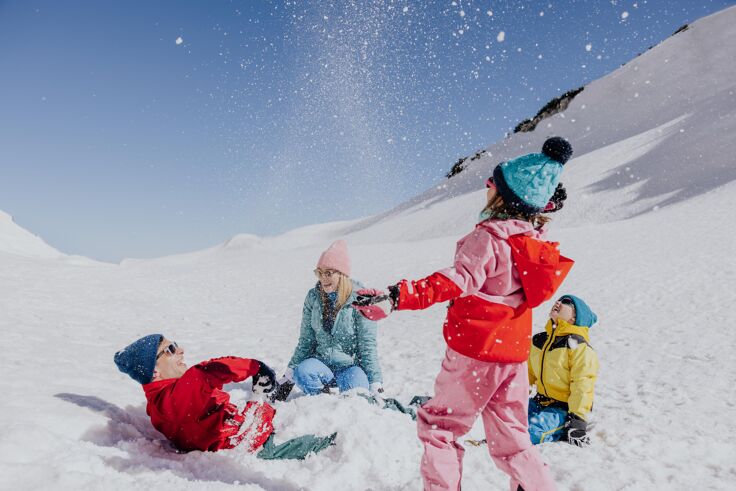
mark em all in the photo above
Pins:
pixel 194 413
pixel 489 318
pixel 350 342
pixel 564 367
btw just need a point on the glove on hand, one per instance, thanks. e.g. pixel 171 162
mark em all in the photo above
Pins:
pixel 283 391
pixel 576 431
pixel 373 304
pixel 376 389
pixel 264 381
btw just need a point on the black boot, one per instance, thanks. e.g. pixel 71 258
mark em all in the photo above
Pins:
pixel 332 384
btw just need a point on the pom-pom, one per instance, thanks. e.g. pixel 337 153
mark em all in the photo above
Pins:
pixel 557 148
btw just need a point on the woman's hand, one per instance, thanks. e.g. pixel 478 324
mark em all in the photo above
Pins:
pixel 283 387
pixel 376 389
pixel 373 304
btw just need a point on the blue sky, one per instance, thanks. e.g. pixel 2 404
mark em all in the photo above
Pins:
pixel 118 141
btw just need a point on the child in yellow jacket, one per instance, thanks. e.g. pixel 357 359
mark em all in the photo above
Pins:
pixel 564 368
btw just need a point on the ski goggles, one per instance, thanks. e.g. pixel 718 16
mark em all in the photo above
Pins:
pixel 170 349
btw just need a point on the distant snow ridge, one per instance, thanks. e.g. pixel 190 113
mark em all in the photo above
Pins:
pixel 14 239
pixel 659 130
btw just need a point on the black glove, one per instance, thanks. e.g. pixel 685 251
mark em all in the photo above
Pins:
pixel 283 391
pixel 576 431
pixel 264 381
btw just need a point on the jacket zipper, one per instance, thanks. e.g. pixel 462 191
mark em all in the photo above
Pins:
pixel 544 353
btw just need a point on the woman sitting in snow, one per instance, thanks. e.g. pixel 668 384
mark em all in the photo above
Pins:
pixel 337 345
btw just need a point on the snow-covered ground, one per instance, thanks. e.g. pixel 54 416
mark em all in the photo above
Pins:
pixel 654 259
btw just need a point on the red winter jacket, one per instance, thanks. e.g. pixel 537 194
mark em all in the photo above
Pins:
pixel 195 414
pixel 501 270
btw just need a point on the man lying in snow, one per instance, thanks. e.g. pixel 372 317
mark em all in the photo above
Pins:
pixel 190 408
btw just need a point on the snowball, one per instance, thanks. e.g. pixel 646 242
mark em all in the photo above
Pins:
pixel 588 47
pixel 179 40
pixel 501 36
pixel 624 15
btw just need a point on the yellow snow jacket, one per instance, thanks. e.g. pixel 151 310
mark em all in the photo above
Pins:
pixel 563 366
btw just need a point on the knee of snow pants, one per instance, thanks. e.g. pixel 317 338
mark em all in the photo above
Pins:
pixel 546 424
pixel 311 375
pixel 351 378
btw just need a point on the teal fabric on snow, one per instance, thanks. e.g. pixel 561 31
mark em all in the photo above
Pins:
pixel 350 342
pixel 297 448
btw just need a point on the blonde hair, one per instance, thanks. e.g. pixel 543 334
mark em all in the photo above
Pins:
pixel 497 208
pixel 344 290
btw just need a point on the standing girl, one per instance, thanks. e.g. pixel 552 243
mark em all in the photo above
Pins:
pixel 502 269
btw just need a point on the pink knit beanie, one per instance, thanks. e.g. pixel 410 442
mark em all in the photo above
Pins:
pixel 336 257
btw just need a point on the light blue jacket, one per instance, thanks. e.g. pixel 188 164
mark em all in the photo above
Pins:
pixel 352 341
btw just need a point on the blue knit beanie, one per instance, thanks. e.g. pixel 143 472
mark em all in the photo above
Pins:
pixel 527 183
pixel 584 317
pixel 138 359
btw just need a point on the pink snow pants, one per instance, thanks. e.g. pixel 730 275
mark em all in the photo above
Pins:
pixel 498 392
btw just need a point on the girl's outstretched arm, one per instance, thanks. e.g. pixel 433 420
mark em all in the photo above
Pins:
pixel 474 258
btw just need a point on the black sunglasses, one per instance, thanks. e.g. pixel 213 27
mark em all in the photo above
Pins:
pixel 567 301
pixel 170 349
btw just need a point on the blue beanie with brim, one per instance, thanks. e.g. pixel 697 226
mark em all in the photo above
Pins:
pixel 138 359
pixel 584 317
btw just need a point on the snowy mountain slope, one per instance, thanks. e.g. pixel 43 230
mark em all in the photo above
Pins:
pixel 71 420
pixel 14 239
pixel 671 111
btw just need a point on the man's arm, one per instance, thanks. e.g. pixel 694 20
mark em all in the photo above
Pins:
pixel 191 396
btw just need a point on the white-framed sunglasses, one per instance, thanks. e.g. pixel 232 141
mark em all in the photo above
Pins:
pixel 170 349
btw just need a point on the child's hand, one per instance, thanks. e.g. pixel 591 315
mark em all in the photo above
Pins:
pixel 373 304
pixel 576 431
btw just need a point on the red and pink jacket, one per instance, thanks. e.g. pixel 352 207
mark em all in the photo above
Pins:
pixel 194 413
pixel 502 269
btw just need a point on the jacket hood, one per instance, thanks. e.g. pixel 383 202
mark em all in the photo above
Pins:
pixel 541 267
pixel 564 328
pixel 153 388
pixel 503 229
